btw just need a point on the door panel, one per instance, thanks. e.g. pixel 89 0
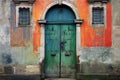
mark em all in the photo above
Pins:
pixel 68 54
pixel 52 50
pixel 60 42
pixel 60 50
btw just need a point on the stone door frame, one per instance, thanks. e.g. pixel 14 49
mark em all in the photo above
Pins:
pixel 42 29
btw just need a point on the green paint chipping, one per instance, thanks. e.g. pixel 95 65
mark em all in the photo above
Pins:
pixel 31 57
pixel 24 55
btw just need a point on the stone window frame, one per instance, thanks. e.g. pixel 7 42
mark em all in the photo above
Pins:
pixel 17 15
pixel 98 5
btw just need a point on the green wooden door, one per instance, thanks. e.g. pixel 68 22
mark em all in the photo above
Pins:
pixel 68 51
pixel 60 43
pixel 52 50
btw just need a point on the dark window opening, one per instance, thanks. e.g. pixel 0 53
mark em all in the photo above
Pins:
pixel 24 16
pixel 97 16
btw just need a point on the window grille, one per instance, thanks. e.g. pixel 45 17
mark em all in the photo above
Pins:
pixel 97 16
pixel 24 16
pixel 104 1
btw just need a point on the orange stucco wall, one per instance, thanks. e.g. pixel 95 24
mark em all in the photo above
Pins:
pixel 90 36
pixel 38 9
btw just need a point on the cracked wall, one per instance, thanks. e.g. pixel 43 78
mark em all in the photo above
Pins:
pixel 19 45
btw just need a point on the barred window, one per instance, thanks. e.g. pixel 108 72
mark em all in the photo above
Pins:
pixel 97 15
pixel 24 16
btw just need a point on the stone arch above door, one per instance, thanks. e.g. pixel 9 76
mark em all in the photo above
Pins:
pixel 42 31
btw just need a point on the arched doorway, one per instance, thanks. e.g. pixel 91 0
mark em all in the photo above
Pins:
pixel 60 42
pixel 43 23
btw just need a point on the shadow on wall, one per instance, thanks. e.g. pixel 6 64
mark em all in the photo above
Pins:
pixel 6 58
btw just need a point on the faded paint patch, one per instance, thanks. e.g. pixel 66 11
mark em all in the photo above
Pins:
pixel 19 35
pixel 4 22
pixel 4 35
pixel 101 54
pixel 5 54
pixel 24 55
pixel 116 31
pixel 116 12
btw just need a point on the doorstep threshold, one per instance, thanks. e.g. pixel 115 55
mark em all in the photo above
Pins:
pixel 60 79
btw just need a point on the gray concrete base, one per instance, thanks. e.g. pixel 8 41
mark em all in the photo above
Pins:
pixel 98 77
pixel 79 77
pixel 20 77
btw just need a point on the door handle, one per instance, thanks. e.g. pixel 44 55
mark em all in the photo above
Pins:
pixel 68 53
pixel 62 45
pixel 53 54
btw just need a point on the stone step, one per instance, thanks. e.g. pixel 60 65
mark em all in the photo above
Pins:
pixel 59 79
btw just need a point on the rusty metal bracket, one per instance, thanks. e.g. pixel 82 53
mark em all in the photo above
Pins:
pixel 78 21
pixel 42 21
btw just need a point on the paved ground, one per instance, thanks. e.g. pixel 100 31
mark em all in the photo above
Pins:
pixel 59 79
pixel 20 77
pixel 38 77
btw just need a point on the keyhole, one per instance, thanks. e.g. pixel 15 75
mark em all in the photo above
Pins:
pixel 52 29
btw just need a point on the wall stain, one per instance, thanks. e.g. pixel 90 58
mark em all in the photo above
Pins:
pixel 6 58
